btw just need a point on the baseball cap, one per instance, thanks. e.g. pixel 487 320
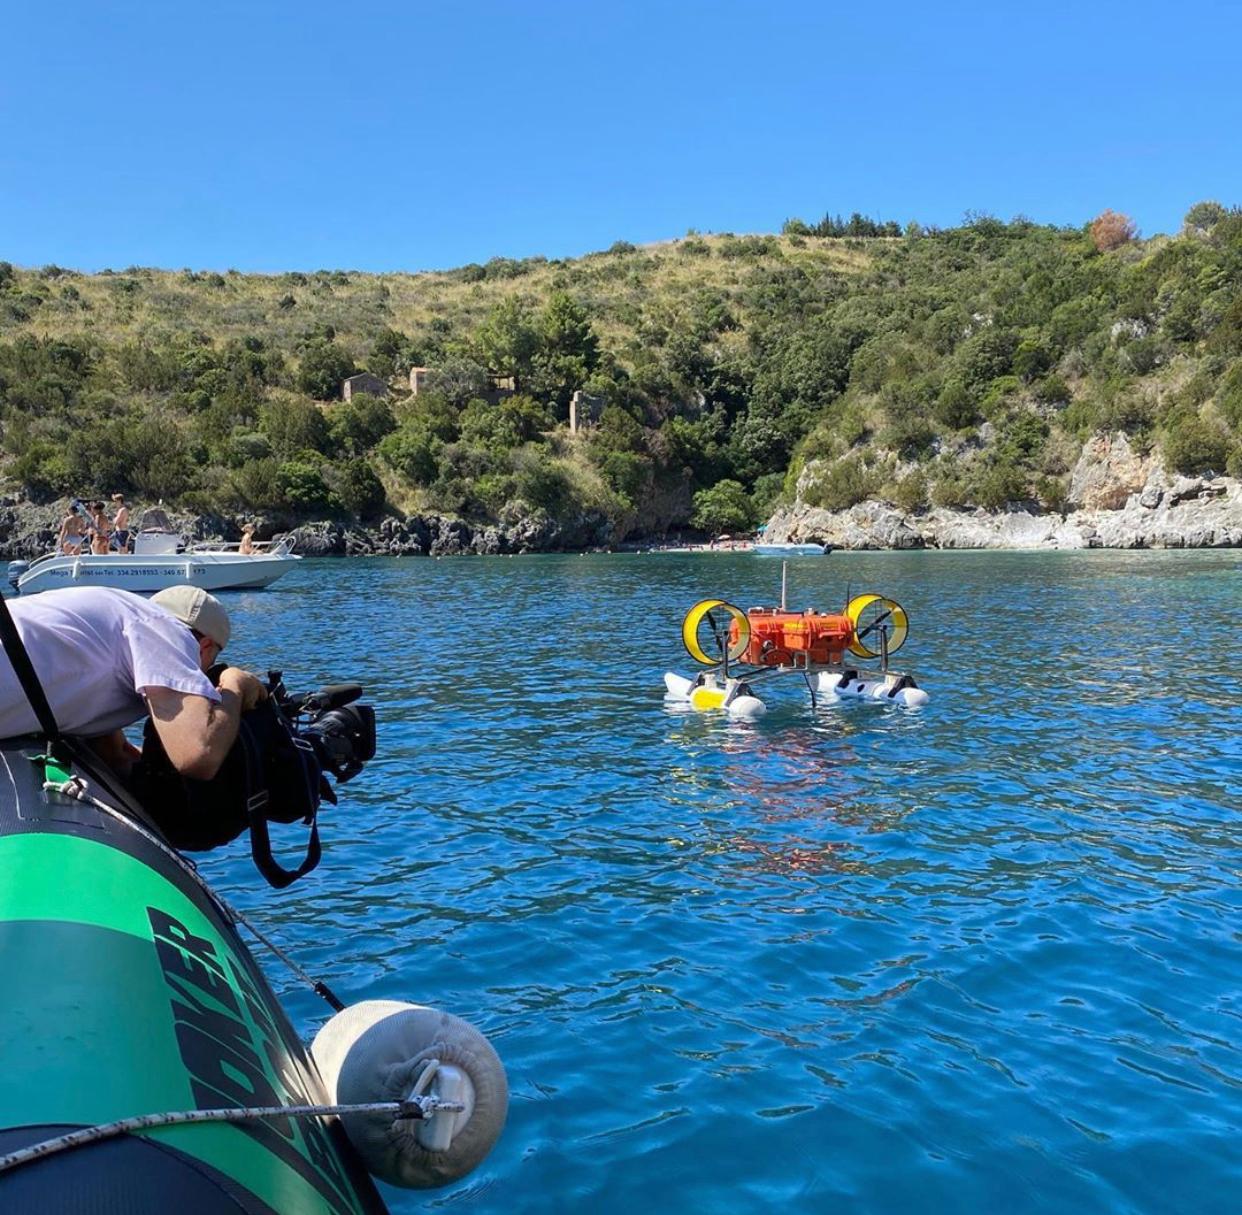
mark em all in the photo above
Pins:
pixel 194 607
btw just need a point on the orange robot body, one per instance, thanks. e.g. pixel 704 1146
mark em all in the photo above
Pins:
pixel 780 638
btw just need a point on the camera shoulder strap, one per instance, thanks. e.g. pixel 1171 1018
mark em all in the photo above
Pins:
pixel 257 799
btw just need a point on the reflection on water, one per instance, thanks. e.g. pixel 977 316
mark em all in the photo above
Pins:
pixel 977 957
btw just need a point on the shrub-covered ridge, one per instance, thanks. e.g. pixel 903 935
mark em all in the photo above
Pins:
pixel 728 374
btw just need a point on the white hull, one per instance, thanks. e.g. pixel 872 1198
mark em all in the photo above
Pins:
pixel 213 571
pixel 791 550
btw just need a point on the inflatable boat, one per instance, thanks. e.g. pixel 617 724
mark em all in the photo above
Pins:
pixel 128 990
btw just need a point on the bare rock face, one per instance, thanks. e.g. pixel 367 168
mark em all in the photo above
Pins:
pixel 1108 472
pixel 1191 513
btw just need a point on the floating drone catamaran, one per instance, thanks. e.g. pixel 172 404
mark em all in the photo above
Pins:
pixel 737 647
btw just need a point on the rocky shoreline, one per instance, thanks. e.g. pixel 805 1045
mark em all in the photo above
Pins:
pixel 1185 512
pixel 1190 512
pixel 28 530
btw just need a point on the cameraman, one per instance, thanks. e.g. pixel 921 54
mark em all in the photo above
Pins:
pixel 107 657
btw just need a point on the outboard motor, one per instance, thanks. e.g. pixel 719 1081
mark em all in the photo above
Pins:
pixel 16 570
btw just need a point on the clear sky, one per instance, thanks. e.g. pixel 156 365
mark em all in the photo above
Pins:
pixel 415 135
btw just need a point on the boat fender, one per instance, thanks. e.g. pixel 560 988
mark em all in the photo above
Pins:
pixel 387 1050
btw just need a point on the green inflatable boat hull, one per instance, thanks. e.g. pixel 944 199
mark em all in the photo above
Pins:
pixel 126 990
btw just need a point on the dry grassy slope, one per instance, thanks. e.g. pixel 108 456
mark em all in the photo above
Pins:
pixel 614 287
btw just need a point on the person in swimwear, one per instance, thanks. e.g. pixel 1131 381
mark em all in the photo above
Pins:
pixel 100 530
pixel 72 533
pixel 120 525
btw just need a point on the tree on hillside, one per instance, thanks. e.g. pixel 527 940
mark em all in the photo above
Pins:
pixel 1203 217
pixel 360 423
pixel 293 426
pixel 568 350
pixel 1111 230
pixel 725 507
pixel 325 367
pixel 507 340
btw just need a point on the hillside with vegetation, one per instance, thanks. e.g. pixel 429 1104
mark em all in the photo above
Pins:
pixel 838 362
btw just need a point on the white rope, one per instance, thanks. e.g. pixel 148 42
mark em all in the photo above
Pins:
pixel 418 1107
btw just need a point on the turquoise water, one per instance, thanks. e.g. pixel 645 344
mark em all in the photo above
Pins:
pixel 980 957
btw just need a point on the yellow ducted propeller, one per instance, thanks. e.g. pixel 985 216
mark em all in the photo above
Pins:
pixel 719 631
pixel 867 613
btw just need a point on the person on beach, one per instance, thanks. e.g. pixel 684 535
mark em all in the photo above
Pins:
pixel 72 533
pixel 246 547
pixel 101 530
pixel 120 525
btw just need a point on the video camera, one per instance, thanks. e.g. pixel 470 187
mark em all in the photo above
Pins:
pixel 341 732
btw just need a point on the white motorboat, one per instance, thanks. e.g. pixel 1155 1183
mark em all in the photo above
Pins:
pixel 160 559
pixel 791 550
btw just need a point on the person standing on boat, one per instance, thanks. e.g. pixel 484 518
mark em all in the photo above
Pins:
pixel 101 530
pixel 72 533
pixel 246 547
pixel 120 525
pixel 106 658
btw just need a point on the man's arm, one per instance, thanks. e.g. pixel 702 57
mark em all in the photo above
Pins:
pixel 197 733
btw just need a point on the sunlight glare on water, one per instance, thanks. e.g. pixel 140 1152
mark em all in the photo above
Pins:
pixel 978 957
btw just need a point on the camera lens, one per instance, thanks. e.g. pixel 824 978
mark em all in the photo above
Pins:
pixel 344 739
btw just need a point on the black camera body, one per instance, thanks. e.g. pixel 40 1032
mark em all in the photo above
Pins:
pixel 341 732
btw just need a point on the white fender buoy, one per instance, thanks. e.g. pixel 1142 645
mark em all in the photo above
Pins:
pixel 677 687
pixel 383 1050
pixel 827 681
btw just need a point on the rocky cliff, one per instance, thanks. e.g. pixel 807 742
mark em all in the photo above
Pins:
pixel 1186 513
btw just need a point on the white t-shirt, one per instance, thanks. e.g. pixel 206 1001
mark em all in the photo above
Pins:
pixel 96 651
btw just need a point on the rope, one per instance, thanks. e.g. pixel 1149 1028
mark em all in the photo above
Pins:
pixel 75 787
pixel 417 1107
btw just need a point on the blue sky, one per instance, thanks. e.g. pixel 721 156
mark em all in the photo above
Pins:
pixel 407 136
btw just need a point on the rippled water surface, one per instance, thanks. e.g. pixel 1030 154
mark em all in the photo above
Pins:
pixel 980 957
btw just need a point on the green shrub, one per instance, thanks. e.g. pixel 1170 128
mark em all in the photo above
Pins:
pixel 45 470
pixel 358 489
pixel 1229 397
pixel 955 406
pixel 301 486
pixel 411 452
pixel 1053 390
pixel 724 507
pixel 360 423
pixel 1053 493
pixel 997 484
pixel 541 482
pixel 841 485
pixel 949 491
pixel 1031 359
pixel 324 368
pixel 294 425
pixel 1193 446
pixel 253 486
pixel 998 392
pixel 910 493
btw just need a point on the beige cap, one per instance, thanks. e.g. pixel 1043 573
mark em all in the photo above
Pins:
pixel 201 611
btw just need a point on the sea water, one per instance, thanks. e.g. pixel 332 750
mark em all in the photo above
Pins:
pixel 978 957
